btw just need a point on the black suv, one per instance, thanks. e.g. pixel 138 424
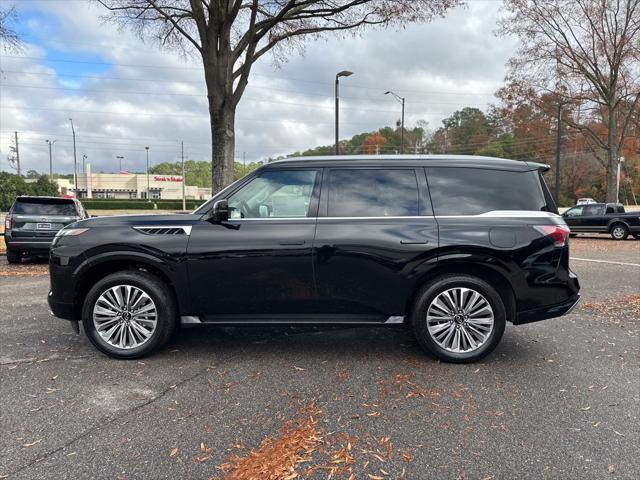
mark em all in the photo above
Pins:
pixel 32 222
pixel 453 246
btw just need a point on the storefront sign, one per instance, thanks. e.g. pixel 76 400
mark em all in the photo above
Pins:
pixel 167 178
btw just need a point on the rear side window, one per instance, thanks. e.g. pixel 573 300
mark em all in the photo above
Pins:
pixel 373 193
pixel 37 206
pixel 472 191
pixel 593 210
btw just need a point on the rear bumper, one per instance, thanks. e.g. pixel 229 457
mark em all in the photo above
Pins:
pixel 28 245
pixel 546 312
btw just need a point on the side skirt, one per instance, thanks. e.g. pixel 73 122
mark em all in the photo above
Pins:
pixel 292 319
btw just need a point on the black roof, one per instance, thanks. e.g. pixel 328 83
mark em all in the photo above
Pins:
pixel 408 161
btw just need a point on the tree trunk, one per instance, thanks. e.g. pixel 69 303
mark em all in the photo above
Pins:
pixel 222 147
pixel 612 157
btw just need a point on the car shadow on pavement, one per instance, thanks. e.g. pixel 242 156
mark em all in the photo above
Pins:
pixel 352 343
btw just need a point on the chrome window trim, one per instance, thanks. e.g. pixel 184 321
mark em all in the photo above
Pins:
pixel 491 214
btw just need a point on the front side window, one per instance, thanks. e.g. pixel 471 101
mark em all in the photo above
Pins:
pixel 473 191
pixel 574 212
pixel 274 194
pixel 373 193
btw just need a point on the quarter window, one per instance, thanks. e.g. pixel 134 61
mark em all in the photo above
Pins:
pixel 473 191
pixel 373 193
pixel 274 194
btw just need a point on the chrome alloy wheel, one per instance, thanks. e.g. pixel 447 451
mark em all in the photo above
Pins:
pixel 618 233
pixel 125 316
pixel 460 320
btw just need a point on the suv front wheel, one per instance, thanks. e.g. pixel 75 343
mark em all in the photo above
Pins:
pixel 129 314
pixel 459 318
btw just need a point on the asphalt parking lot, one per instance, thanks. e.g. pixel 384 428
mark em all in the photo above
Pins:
pixel 558 399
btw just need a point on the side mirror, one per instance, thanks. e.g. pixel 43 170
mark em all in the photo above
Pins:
pixel 220 212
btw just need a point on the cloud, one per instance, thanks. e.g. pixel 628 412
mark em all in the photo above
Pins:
pixel 124 94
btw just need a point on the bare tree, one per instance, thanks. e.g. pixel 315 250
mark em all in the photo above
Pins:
pixel 586 52
pixel 9 38
pixel 231 35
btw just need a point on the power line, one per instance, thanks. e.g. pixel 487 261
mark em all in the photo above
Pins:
pixel 167 67
pixel 119 92
pixel 261 87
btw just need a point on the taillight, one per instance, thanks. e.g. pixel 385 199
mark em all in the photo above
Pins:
pixel 7 222
pixel 558 234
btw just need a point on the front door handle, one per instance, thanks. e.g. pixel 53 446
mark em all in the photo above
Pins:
pixel 414 242
pixel 293 242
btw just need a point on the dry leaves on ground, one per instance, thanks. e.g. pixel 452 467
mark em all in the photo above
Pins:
pixel 24 270
pixel 278 458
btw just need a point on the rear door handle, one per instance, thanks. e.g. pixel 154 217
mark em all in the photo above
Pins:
pixel 414 242
pixel 293 242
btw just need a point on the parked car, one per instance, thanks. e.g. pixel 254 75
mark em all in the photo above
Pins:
pixel 603 218
pixel 452 246
pixel 32 222
pixel 585 201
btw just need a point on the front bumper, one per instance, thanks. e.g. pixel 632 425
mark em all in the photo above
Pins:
pixel 549 311
pixel 66 311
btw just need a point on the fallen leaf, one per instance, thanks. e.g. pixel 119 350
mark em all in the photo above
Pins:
pixel 174 452
pixel 32 443
pixel 611 468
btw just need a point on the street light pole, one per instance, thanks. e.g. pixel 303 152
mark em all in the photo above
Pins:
pixel 344 73
pixel 75 161
pixel 184 179
pixel 50 158
pixel 148 190
pixel 84 163
pixel 401 100
pixel 120 157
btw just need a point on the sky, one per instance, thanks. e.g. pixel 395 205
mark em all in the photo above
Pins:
pixel 124 94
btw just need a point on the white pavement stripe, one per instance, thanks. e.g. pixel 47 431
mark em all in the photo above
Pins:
pixel 606 261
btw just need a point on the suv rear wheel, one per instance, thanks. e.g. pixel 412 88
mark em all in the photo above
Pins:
pixel 619 231
pixel 13 257
pixel 459 318
pixel 129 314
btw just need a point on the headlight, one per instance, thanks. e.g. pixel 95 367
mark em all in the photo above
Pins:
pixel 71 232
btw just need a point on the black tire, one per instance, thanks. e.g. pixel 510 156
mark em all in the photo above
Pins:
pixel 636 236
pixel 13 257
pixel 619 231
pixel 430 291
pixel 159 293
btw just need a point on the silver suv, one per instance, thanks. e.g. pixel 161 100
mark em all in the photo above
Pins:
pixel 32 222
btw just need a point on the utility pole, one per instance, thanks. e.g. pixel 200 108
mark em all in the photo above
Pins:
pixel 620 162
pixel 75 161
pixel 244 163
pixel 148 189
pixel 558 145
pixel 184 178
pixel 17 154
pixel 50 158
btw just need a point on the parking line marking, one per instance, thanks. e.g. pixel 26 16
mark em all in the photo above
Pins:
pixel 606 261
